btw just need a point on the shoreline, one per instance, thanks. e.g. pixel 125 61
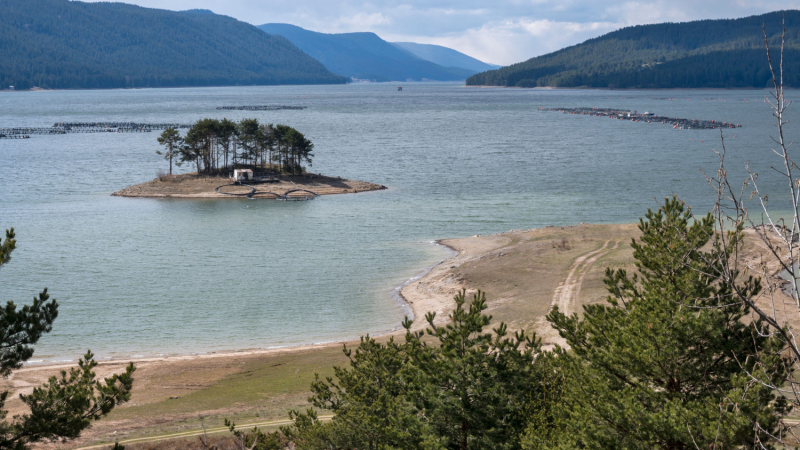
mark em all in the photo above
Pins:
pixel 414 302
pixel 192 186
pixel 525 273
pixel 395 293
pixel 430 289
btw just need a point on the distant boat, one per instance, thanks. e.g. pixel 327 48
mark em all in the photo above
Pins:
pixel 399 88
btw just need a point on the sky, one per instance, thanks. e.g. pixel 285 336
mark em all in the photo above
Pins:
pixel 494 31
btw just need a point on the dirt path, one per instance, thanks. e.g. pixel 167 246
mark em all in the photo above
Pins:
pixel 567 294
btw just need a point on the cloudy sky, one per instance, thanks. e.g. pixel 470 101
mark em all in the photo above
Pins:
pixel 495 31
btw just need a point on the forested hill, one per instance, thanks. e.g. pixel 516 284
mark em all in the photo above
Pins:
pixel 62 45
pixel 701 54
pixel 365 55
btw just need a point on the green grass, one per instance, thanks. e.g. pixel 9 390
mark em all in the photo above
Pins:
pixel 264 388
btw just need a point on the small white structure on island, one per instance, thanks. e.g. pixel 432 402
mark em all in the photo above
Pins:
pixel 242 175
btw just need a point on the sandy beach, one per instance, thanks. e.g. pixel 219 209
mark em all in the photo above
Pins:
pixel 192 186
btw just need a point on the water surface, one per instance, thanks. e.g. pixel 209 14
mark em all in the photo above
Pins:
pixel 139 277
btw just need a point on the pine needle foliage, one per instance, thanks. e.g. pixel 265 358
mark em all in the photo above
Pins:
pixel 454 386
pixel 663 363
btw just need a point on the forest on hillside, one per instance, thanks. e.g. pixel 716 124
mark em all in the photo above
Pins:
pixel 59 44
pixel 701 54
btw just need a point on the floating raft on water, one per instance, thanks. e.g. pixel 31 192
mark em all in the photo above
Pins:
pixel 259 108
pixel 88 127
pixel 82 127
pixel 27 131
pixel 624 114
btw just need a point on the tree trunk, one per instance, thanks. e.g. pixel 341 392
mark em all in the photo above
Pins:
pixel 464 435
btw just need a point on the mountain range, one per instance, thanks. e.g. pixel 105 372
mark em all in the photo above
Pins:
pixel 367 56
pixel 701 54
pixel 444 56
pixel 63 44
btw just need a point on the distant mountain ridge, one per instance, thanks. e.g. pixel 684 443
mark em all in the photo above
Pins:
pixel 364 55
pixel 444 56
pixel 64 45
pixel 725 53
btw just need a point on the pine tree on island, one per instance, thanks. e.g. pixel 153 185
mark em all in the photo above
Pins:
pixel 172 141
pixel 218 146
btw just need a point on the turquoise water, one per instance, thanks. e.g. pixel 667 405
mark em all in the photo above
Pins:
pixel 141 277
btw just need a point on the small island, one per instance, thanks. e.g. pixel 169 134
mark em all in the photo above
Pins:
pixel 244 159
pixel 204 186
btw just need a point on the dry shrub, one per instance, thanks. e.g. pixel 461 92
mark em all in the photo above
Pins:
pixel 562 245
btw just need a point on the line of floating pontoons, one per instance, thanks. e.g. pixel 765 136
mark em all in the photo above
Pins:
pixel 87 127
pixel 259 108
pixel 648 117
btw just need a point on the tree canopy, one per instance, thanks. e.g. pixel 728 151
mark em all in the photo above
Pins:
pixel 665 362
pixel 219 145
pixel 467 389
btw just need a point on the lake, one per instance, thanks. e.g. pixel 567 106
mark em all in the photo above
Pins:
pixel 143 277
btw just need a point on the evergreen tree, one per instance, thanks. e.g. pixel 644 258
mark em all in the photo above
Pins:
pixel 663 364
pixel 171 140
pixel 247 130
pixel 468 390
pixel 192 148
pixel 480 383
pixel 64 406
pixel 373 403
pixel 227 133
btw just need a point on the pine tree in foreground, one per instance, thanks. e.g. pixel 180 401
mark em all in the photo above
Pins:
pixel 664 363
pixel 458 388
pixel 64 406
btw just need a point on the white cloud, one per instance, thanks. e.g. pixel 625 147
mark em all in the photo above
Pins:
pixel 490 43
pixel 362 22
